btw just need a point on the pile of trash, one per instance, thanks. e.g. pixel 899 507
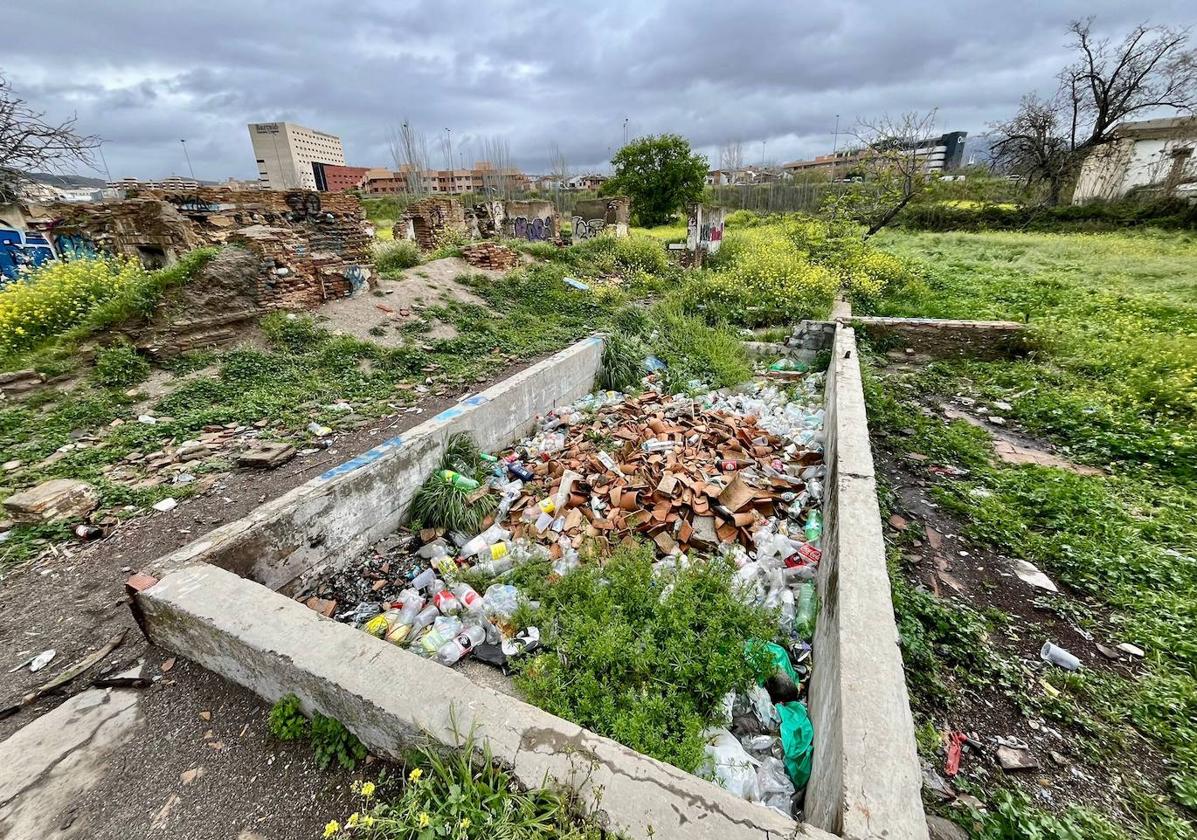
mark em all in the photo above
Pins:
pixel 734 473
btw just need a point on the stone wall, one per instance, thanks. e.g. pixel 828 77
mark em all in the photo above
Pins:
pixel 594 216
pixel 535 221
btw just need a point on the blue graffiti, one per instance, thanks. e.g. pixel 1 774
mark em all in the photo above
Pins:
pixel 21 251
pixel 356 276
pixel 74 246
pixel 362 460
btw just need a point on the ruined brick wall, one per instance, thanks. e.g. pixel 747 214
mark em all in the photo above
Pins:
pixel 938 338
pixel 311 246
pixel 428 220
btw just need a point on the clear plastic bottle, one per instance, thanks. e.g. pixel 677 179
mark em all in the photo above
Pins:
pixel 807 610
pixel 443 629
pixel 469 597
pixel 460 645
pixel 445 601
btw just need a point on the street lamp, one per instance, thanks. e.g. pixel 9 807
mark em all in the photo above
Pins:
pixel 186 155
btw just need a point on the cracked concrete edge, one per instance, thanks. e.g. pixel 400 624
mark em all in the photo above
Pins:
pixel 287 540
pixel 866 781
pixel 393 699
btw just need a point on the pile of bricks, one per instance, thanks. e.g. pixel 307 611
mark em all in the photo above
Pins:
pixel 685 477
pixel 490 255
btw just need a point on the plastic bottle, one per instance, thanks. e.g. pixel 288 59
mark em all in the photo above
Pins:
pixel 460 645
pixel 445 601
pixel 814 526
pixel 443 629
pixel 458 480
pixel 807 609
pixel 469 597
pixel 496 567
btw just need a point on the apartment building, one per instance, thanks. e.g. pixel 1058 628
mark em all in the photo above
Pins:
pixel 286 154
pixel 444 181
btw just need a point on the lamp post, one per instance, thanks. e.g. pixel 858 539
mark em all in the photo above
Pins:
pixel 188 156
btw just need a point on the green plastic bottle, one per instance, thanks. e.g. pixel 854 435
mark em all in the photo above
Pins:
pixel 807 611
pixel 458 480
pixel 813 529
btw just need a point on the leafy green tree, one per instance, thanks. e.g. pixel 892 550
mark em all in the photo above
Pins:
pixel 660 174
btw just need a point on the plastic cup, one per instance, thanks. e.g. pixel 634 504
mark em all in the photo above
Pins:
pixel 1058 656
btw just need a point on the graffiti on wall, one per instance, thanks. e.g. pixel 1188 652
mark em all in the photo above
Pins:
pixel 704 229
pixel 75 246
pixel 195 204
pixel 584 229
pixel 20 251
pixel 357 277
pixel 534 231
pixel 303 204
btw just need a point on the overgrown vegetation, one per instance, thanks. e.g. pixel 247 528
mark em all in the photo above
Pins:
pixel 462 794
pixel 634 661
pixel 1113 386
pixel 446 502
pixel 120 365
pixel 1092 216
pixel 393 257
pixel 331 742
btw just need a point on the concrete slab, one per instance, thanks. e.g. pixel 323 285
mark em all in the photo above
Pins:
pixel 392 699
pixel 51 762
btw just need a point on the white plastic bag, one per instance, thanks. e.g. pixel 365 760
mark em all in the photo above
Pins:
pixel 774 785
pixel 730 766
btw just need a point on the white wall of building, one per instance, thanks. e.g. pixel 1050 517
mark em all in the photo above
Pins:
pixel 285 153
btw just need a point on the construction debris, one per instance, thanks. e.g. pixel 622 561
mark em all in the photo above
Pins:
pixel 490 255
pixel 55 500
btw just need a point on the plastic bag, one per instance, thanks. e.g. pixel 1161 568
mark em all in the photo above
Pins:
pixel 762 707
pixel 776 789
pixel 729 765
pixel 500 599
pixel 797 739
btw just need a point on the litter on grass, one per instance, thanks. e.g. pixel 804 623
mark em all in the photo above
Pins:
pixel 734 474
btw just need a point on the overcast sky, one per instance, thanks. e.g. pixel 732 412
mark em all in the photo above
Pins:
pixel 143 74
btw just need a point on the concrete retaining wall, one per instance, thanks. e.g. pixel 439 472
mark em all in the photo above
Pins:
pixel 334 516
pixel 939 338
pixel 392 699
pixel 866 781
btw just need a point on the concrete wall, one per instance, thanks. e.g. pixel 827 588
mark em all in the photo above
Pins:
pixel 337 514
pixel 866 781
pixel 393 699
pixel 941 338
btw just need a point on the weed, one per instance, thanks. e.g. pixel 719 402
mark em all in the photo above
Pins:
pixel 120 365
pixel 391 257
pixel 439 503
pixel 623 362
pixel 287 722
pixel 332 742
pixel 462 794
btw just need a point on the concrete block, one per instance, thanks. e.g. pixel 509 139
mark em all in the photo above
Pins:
pixel 288 540
pixel 865 780
pixel 392 699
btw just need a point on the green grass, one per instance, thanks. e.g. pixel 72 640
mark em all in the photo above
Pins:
pixel 1115 320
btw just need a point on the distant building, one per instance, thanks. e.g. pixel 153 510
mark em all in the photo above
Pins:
pixel 286 152
pixel 444 181
pixel 1156 155
pixel 586 182
pixel 173 182
pixel 939 154
pixel 333 178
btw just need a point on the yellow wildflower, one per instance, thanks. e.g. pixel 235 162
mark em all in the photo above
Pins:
pixel 332 828
pixel 352 821
pixel 414 775
pixel 368 789
pixel 465 823
pixel 423 820
pixel 368 821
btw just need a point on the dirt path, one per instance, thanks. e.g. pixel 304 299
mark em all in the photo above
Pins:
pixel 72 598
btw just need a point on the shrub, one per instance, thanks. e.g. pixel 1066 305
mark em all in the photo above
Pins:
pixel 623 361
pixel 58 295
pixel 441 504
pixel 628 661
pixel 641 252
pixel 395 256
pixel 693 349
pixel 120 365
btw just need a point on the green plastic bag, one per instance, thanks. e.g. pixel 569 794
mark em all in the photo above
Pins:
pixel 777 657
pixel 797 740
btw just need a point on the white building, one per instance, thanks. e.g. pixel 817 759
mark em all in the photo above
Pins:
pixel 285 153
pixel 1151 153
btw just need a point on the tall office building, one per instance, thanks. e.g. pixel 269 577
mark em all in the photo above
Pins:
pixel 286 153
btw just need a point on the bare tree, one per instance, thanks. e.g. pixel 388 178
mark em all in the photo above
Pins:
pixel 558 172
pixel 409 150
pixel 497 174
pixel 731 157
pixel 1152 68
pixel 891 169
pixel 30 144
